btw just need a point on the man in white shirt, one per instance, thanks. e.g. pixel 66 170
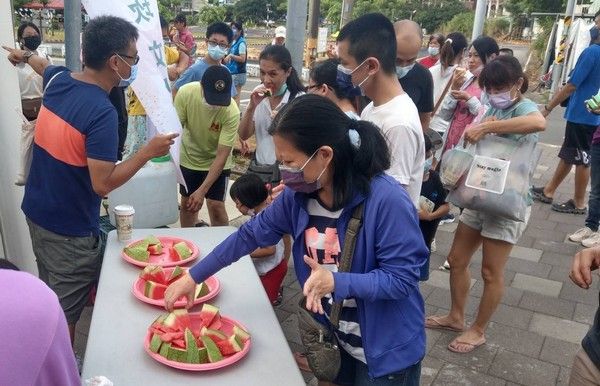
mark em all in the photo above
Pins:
pixel 367 52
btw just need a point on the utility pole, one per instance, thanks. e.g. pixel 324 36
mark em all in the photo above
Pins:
pixel 296 30
pixel 559 60
pixel 73 34
pixel 480 9
pixel 313 32
pixel 347 6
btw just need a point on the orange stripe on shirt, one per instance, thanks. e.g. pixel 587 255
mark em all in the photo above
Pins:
pixel 61 140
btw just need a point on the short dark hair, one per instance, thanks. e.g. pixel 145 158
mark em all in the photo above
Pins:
pixel 238 25
pixel 502 72
pixel 371 35
pixel 249 190
pixel 453 46
pixel 281 56
pixel 439 38
pixel 180 18
pixel 24 25
pixel 105 36
pixel 325 72
pixel 221 29
pixel 485 46
pixel 506 51
pixel 312 121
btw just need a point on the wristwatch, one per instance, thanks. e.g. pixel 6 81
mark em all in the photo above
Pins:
pixel 28 55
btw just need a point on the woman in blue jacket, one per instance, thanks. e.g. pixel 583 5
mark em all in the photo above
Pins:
pixel 330 164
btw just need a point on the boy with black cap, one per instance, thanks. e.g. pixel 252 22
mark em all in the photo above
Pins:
pixel 210 120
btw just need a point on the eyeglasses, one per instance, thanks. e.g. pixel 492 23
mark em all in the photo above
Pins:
pixel 136 58
pixel 221 45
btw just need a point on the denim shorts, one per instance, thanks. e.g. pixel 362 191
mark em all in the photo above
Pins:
pixel 495 227
pixel 239 79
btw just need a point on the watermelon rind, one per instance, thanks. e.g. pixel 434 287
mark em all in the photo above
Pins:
pixel 191 347
pixel 201 290
pixel 152 240
pixel 176 354
pixel 138 253
pixel 214 354
pixel 164 350
pixel 175 274
pixel 155 343
pixel 182 249
pixel 202 355
pixel 241 334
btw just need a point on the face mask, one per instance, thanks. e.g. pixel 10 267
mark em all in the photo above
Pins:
pixel 293 178
pixel 216 52
pixel 477 71
pixel 281 90
pixel 344 81
pixel 427 165
pixel 132 76
pixel 433 51
pixel 402 71
pixel 251 213
pixel 234 30
pixel 501 101
pixel 32 42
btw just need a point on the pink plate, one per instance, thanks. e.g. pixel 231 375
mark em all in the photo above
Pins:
pixel 163 260
pixel 214 287
pixel 195 318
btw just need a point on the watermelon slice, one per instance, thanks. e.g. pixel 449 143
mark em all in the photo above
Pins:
pixel 175 274
pixel 178 319
pixel 179 343
pixel 201 290
pixel 152 240
pixel 164 350
pixel 142 244
pixel 155 249
pixel 155 343
pixel 215 335
pixel 177 354
pixel 173 255
pixel 191 347
pixel 169 337
pixel 216 323
pixel 182 250
pixel 153 273
pixel 208 313
pixel 138 253
pixel 229 346
pixel 241 334
pixel 202 355
pixel 154 290
pixel 214 355
pixel 159 321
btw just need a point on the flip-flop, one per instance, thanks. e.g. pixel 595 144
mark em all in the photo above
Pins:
pixel 433 323
pixel 471 346
pixel 302 362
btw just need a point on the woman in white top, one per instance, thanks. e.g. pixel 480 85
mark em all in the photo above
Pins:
pixel 280 84
pixel 322 81
pixel 29 38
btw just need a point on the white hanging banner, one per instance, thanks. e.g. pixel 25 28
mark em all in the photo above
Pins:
pixel 152 83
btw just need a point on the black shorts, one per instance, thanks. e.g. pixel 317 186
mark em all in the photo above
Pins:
pixel 575 149
pixel 195 178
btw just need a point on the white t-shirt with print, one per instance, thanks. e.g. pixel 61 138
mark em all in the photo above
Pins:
pixel 399 122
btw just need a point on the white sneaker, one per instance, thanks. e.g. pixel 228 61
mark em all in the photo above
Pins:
pixel 581 234
pixel 445 266
pixel 433 246
pixel 591 241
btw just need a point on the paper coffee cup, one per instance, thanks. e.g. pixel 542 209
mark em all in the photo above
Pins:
pixel 124 220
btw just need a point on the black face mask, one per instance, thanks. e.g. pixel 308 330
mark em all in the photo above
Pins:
pixel 32 42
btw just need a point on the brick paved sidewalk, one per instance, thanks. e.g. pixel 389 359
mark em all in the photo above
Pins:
pixel 537 328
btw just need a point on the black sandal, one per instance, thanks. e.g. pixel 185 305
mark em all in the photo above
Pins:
pixel 538 194
pixel 568 207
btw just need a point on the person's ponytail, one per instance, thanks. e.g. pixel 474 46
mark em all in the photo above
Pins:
pixel 372 156
pixel 294 84
pixel 447 54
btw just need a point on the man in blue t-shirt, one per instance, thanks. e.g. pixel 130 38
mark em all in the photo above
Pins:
pixel 581 124
pixel 74 159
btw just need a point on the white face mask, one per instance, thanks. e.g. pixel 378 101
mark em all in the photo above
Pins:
pixel 433 51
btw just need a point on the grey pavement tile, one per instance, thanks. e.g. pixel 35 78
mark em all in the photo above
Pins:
pixel 548 235
pixel 567 228
pixel 512 316
pixel 453 375
pixel 514 339
pixel 524 370
pixel 429 370
pixel 441 279
pixel 425 289
pixel 572 292
pixel 566 330
pixel 524 253
pixel 539 224
pixel 560 259
pixel 290 301
pixel 559 352
pixel 432 337
pixel 559 273
pixel 528 267
pixel 565 249
pixel 566 218
pixel 512 296
pixel 547 305
pixel 478 360
pixel 431 310
pixel 290 277
pixel 537 284
pixel 539 214
pixel 584 313
pixel 526 241
pixel 440 297
pixel 563 376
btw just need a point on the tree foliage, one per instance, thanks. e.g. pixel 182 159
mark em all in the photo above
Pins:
pixel 212 14
pixel 255 11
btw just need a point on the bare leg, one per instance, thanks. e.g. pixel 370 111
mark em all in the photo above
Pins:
pixel 186 218
pixel 466 241
pixel 582 177
pixel 217 213
pixel 560 173
pixel 495 255
pixel 236 98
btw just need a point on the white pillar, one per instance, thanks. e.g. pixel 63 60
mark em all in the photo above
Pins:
pixel 297 13
pixel 479 19
pixel 13 229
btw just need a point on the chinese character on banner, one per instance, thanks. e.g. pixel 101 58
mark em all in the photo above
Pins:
pixel 157 49
pixel 142 10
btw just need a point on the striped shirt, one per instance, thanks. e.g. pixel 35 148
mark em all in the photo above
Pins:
pixel 322 243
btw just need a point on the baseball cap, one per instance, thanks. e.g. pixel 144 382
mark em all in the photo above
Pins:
pixel 280 32
pixel 216 84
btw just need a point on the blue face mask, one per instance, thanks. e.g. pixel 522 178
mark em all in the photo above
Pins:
pixel 402 71
pixel 132 76
pixel 344 81
pixel 216 52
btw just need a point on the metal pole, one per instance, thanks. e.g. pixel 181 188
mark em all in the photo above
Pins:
pixel 562 50
pixel 347 6
pixel 480 9
pixel 296 30
pixel 313 32
pixel 72 34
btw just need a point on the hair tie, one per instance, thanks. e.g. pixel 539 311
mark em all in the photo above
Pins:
pixel 353 134
pixel 448 41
